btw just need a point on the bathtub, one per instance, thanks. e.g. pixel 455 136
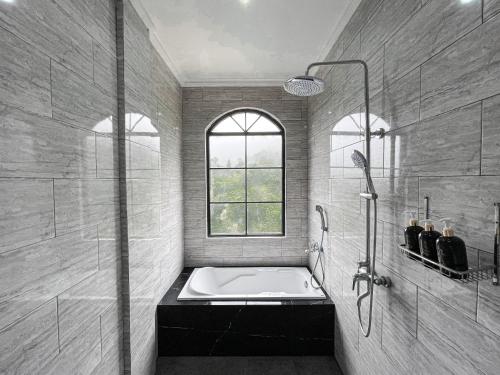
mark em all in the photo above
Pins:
pixel 250 283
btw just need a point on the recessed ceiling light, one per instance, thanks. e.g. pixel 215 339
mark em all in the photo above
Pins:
pixel 9 1
pixel 245 2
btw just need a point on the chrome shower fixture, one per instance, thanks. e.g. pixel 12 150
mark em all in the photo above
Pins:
pixel 308 85
pixel 324 225
pixel 359 161
pixel 318 247
pixel 304 85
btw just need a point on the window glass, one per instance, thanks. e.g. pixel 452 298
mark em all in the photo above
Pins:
pixel 264 218
pixel 227 151
pixel 240 119
pixel 263 125
pixel 227 219
pixel 252 117
pixel 228 125
pixel 245 172
pixel 264 185
pixel 227 185
pixel 264 150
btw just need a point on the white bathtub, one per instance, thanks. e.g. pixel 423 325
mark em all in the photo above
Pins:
pixel 250 283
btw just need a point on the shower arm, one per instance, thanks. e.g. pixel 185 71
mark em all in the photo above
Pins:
pixel 366 95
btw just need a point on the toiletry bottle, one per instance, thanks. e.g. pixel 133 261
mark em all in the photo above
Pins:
pixel 411 235
pixel 427 241
pixel 451 251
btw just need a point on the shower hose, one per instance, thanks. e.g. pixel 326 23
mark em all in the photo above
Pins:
pixel 366 332
pixel 320 261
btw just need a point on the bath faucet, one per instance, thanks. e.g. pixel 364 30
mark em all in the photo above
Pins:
pixel 360 276
pixel 364 275
pixel 314 247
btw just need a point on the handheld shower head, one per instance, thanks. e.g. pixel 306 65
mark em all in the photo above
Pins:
pixel 304 86
pixel 359 161
pixel 324 225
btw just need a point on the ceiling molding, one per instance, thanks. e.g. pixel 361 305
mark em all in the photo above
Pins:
pixel 155 40
pixel 344 20
pixel 228 82
pixel 184 82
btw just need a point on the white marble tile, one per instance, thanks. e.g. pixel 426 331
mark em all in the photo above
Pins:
pixel 457 341
pixel 51 30
pixel 35 146
pixel 463 73
pixel 26 212
pixel 31 343
pixel 30 275
pixel 490 146
pixel 79 102
pixel 27 75
pixel 437 25
pixel 84 202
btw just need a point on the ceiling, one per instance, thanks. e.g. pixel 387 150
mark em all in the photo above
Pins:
pixel 243 42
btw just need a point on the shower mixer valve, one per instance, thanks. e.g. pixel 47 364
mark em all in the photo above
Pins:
pixel 314 247
pixel 364 275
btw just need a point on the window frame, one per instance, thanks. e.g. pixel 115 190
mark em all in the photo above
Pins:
pixel 245 168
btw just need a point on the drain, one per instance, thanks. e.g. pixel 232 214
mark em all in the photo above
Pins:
pixel 306 284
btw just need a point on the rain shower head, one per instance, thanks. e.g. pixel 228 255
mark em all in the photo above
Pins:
pixel 304 85
pixel 359 161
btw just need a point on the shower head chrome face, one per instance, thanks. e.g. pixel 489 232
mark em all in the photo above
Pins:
pixel 304 86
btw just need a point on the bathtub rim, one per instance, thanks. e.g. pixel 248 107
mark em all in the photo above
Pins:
pixel 320 298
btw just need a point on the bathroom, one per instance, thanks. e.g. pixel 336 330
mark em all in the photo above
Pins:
pixel 249 187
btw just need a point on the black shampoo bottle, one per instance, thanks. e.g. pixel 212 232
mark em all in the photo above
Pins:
pixel 411 235
pixel 427 241
pixel 451 251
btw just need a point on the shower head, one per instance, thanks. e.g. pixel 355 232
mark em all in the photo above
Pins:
pixel 324 226
pixel 359 161
pixel 304 85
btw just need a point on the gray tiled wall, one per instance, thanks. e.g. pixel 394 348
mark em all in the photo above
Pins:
pixel 200 107
pixel 435 89
pixel 60 257
pixel 59 300
pixel 153 110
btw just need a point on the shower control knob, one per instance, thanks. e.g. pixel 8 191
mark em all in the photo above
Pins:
pixel 384 281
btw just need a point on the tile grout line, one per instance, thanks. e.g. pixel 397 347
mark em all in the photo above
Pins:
pixel 51 89
pixel 58 334
pixel 420 95
pixel 416 311
pixel 92 58
pixel 481 141
pixel 95 148
pixel 477 293
pixel 54 205
pixel 100 333
pixel 98 249
pixel 482 11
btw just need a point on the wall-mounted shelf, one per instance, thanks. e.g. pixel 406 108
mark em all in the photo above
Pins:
pixel 485 272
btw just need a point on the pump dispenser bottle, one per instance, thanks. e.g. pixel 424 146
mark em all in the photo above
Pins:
pixel 427 241
pixel 451 251
pixel 411 234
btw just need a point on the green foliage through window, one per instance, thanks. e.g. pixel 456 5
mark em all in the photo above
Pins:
pixel 245 175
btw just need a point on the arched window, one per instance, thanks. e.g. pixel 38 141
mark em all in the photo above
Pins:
pixel 245 175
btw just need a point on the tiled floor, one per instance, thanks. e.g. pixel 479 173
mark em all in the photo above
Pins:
pixel 247 366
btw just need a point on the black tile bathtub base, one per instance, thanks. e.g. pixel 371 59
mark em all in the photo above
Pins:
pixel 198 328
pixel 257 365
